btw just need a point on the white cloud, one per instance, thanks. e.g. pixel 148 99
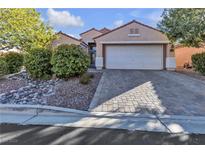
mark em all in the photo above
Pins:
pixel 63 18
pixel 118 23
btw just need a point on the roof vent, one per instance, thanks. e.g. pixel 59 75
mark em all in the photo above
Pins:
pixel 134 32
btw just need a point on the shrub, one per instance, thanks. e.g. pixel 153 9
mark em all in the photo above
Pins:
pixel 37 63
pixel 3 67
pixel 14 61
pixel 85 78
pixel 198 62
pixel 69 61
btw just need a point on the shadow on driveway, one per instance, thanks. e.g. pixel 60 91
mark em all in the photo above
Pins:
pixel 153 92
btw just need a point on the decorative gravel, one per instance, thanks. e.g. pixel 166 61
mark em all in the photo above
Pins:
pixel 6 85
pixel 20 89
pixel 72 94
pixel 30 92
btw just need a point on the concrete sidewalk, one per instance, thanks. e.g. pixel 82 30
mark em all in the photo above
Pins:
pixel 170 124
pixel 76 120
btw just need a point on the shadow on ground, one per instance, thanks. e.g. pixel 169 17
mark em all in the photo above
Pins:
pixel 153 92
pixel 27 135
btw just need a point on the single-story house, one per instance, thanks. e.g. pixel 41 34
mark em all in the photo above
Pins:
pixel 67 39
pixel 134 46
pixel 130 46
pixel 183 55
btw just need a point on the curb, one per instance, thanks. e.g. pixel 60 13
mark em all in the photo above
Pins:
pixel 97 93
pixel 46 107
pixel 66 111
pixel 97 114
pixel 181 117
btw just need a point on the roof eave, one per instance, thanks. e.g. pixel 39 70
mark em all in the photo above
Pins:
pixel 133 21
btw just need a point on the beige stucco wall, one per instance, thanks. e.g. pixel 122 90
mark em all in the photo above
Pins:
pixel 146 34
pixel 88 36
pixel 63 39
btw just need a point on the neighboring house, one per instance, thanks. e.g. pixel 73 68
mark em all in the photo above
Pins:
pixel 183 55
pixel 133 46
pixel 87 37
pixel 67 39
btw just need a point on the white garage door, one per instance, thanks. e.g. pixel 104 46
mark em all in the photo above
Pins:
pixel 134 57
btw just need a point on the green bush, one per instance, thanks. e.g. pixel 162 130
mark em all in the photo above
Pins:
pixel 69 61
pixel 198 62
pixel 14 61
pixel 3 67
pixel 85 78
pixel 37 63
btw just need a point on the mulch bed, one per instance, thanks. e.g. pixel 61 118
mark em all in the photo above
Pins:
pixel 72 94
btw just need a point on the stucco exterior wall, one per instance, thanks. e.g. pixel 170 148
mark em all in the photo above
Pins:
pixel 88 36
pixel 183 55
pixel 62 39
pixel 121 35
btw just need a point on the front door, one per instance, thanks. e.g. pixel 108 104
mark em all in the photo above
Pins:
pixel 92 52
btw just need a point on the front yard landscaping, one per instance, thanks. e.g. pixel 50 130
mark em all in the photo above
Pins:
pixel 21 89
pixel 73 94
pixel 56 77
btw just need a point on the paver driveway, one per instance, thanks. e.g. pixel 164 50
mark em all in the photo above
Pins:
pixel 154 92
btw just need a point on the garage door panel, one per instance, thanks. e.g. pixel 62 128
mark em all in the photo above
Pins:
pixel 134 57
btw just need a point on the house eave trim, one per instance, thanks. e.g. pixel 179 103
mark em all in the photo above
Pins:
pixel 135 42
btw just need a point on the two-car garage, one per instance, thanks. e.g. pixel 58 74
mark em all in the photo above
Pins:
pixel 134 46
pixel 133 57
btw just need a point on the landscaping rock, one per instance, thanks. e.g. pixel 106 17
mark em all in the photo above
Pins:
pixel 29 92
pixel 73 94
pixel 56 92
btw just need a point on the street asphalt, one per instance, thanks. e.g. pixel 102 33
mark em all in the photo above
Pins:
pixel 11 134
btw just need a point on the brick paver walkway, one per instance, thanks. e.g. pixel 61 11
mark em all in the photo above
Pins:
pixel 153 92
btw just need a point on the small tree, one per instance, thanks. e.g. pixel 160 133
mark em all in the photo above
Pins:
pixel 24 29
pixel 184 26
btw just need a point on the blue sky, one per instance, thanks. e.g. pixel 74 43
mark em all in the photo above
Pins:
pixel 76 21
